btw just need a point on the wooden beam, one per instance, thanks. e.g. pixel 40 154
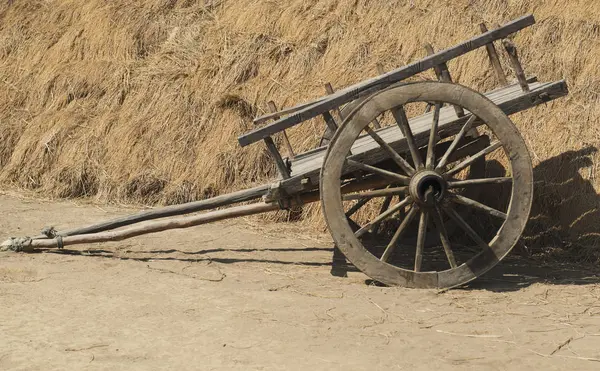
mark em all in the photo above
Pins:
pixel 494 59
pixel 370 86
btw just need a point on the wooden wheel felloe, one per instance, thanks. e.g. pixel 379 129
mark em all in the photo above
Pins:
pixel 425 184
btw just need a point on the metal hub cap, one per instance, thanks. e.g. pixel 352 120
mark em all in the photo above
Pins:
pixel 427 187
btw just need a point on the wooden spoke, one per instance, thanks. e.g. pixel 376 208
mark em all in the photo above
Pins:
pixel 474 182
pixel 430 160
pixel 375 170
pixel 357 206
pixel 402 121
pixel 466 227
pixel 477 205
pixel 461 134
pixel 439 224
pixel 384 207
pixel 495 145
pixel 404 165
pixel 388 192
pixel 421 239
pixel 392 245
pixel 384 216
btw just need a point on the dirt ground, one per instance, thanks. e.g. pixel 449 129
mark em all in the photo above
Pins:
pixel 239 295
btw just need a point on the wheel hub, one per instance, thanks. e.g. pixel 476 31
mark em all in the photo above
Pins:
pixel 427 187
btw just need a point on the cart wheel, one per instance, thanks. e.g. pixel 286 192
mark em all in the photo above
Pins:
pixel 476 170
pixel 428 189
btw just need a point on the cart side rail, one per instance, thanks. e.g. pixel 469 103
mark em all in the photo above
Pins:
pixel 307 111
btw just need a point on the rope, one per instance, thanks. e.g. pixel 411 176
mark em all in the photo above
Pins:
pixel 16 244
pixel 52 233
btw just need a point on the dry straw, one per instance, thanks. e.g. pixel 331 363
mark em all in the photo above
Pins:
pixel 142 101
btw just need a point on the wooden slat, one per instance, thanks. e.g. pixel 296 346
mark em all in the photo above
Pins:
pixel 494 59
pixel 281 167
pixel 372 85
pixel 286 140
pixel 443 74
pixel 511 49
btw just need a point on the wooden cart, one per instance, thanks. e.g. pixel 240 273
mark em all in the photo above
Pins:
pixel 402 173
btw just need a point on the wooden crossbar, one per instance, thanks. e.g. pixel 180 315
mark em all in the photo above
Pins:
pixel 308 111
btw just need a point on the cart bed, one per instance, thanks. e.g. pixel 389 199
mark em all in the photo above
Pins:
pixel 511 99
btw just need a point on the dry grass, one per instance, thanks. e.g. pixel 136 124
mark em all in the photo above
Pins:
pixel 142 101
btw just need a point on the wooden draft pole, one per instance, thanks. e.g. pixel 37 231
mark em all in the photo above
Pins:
pixel 27 244
pixel 164 212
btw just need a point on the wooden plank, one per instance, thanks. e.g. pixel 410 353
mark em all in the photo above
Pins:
pixel 372 85
pixel 366 148
pixel 494 59
pixel 283 112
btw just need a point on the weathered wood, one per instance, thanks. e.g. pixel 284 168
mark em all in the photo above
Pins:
pixel 494 59
pixel 399 232
pixel 151 227
pixel 491 148
pixel 370 86
pixel 282 168
pixel 478 205
pixel 457 139
pixel 424 275
pixel 168 211
pixel 511 49
pixel 476 182
pixel 421 239
pixel 433 138
pixel 378 171
pixel 286 140
pixel 443 234
pixel 510 99
pixel 404 126
pixel 437 68
pixel 388 213
pixel 443 74
pixel 284 112
pixel 399 160
pixel 376 193
pixel 329 90
pixel 330 121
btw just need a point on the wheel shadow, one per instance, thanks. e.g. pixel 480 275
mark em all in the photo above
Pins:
pixel 560 244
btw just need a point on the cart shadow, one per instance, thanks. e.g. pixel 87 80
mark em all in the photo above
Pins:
pixel 563 233
pixel 108 254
